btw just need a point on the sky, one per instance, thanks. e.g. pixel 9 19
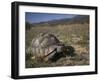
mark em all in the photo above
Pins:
pixel 43 17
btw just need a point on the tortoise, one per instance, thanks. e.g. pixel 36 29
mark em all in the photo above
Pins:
pixel 48 47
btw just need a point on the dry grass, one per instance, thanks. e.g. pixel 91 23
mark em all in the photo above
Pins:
pixel 76 35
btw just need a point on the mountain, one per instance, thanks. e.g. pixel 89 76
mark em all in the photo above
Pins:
pixel 77 19
pixel 81 18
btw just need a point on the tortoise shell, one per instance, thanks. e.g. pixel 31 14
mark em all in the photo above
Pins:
pixel 46 46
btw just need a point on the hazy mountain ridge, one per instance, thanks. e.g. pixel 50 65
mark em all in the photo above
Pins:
pixel 76 19
pixel 79 19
